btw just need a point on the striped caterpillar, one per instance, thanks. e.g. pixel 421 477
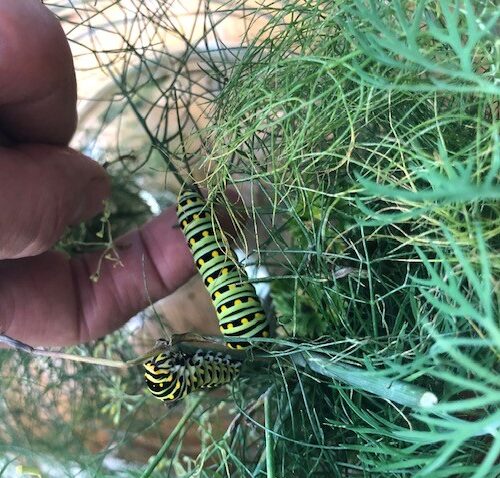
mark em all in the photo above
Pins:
pixel 171 375
pixel 238 308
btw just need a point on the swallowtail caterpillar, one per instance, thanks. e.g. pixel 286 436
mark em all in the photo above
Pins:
pixel 237 305
pixel 171 375
pixel 173 369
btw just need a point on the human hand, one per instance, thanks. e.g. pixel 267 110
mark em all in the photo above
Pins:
pixel 47 298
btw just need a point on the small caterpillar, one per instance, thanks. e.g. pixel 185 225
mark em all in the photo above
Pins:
pixel 171 375
pixel 238 308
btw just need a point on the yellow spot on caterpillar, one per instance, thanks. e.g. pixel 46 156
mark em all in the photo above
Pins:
pixel 258 315
pixel 230 326
pixel 217 294
pixel 204 233
pixel 224 271
pixel 192 241
pixel 244 320
pixel 237 302
pixel 239 347
pixel 232 286
pixel 265 333
pixel 222 329
pixel 189 201
pixel 215 253
pixel 184 223
pixel 201 262
pixel 210 280
pixel 196 216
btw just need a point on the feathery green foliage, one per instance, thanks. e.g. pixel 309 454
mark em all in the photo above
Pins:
pixel 369 132
pixel 372 130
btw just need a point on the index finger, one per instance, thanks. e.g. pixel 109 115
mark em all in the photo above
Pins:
pixel 37 79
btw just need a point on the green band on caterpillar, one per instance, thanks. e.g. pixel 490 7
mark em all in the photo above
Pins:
pixel 236 303
pixel 170 375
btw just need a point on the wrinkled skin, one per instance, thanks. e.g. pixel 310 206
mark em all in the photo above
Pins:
pixel 47 298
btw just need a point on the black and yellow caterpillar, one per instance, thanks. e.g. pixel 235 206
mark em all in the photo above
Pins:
pixel 171 375
pixel 238 308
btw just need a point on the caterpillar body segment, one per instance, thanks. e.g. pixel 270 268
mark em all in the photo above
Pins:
pixel 171 375
pixel 237 305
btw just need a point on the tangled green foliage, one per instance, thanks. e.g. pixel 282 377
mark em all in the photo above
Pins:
pixel 372 127
pixel 370 131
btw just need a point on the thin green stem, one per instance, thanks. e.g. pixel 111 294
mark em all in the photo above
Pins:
pixel 269 437
pixel 168 442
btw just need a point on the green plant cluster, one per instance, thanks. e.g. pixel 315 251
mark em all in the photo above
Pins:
pixel 369 132
pixel 372 129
